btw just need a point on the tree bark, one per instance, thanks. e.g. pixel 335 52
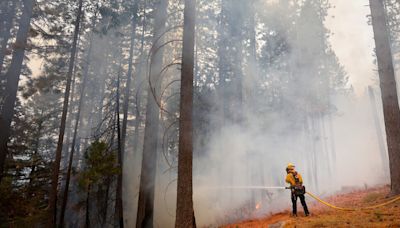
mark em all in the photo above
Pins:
pixel 56 166
pixel 387 80
pixel 87 216
pixel 138 86
pixel 184 209
pixel 71 109
pixel 35 153
pixel 12 77
pixel 122 135
pixel 148 172
pixel 6 31
pixel 129 75
pixel 379 133
pixel 118 202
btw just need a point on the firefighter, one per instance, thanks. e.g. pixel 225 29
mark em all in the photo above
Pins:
pixel 297 189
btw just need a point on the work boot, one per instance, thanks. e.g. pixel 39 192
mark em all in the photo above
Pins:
pixel 306 212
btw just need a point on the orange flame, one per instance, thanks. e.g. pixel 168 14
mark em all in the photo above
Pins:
pixel 258 206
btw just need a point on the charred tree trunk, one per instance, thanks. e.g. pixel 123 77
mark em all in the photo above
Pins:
pixel 148 172
pixel 12 77
pixel 387 79
pixel 74 137
pixel 56 166
pixel 7 22
pixel 184 209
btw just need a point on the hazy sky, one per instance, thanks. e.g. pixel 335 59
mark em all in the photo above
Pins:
pixel 352 40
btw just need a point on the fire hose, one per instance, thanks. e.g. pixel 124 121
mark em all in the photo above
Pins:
pixel 353 209
pixel 397 198
pixel 349 209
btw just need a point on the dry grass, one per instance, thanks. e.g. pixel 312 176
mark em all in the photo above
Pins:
pixel 261 223
pixel 388 216
pixel 322 216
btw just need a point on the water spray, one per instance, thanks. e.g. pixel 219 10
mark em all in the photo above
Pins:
pixel 248 187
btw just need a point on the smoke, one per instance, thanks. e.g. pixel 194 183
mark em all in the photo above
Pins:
pixel 292 110
pixel 257 154
pixel 277 123
pixel 348 23
pixel 335 149
pixel 358 156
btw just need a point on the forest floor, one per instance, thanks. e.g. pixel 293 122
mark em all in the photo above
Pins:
pixel 323 216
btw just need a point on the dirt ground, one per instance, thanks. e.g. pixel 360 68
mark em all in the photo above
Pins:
pixel 323 216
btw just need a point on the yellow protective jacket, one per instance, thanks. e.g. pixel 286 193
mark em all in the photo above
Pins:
pixel 290 178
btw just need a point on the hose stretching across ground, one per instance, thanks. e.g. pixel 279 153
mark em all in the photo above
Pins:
pixel 397 198
pixel 354 209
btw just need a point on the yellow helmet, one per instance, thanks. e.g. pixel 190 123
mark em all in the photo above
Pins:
pixel 290 166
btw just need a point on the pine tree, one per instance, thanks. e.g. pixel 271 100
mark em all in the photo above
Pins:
pixel 56 169
pixel 6 18
pixel 184 211
pixel 148 172
pixel 12 77
pixel 391 111
pixel 76 125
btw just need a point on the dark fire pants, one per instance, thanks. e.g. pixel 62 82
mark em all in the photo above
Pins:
pixel 303 203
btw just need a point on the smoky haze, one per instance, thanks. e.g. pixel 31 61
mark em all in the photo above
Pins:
pixel 334 149
pixel 276 81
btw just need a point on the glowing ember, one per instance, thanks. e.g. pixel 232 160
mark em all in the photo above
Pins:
pixel 258 206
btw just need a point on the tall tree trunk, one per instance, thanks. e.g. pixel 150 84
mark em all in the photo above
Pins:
pixel 138 86
pixel 106 200
pixel 12 77
pixel 223 62
pixel 249 85
pixel 5 31
pixel 35 153
pixel 230 59
pixel 118 202
pixel 250 81
pixel 184 209
pixel 76 125
pixel 148 172
pixel 71 109
pixel 122 135
pixel 378 129
pixel 129 75
pixel 87 215
pixel 56 166
pixel 387 80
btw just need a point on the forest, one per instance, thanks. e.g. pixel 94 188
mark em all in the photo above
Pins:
pixel 184 113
